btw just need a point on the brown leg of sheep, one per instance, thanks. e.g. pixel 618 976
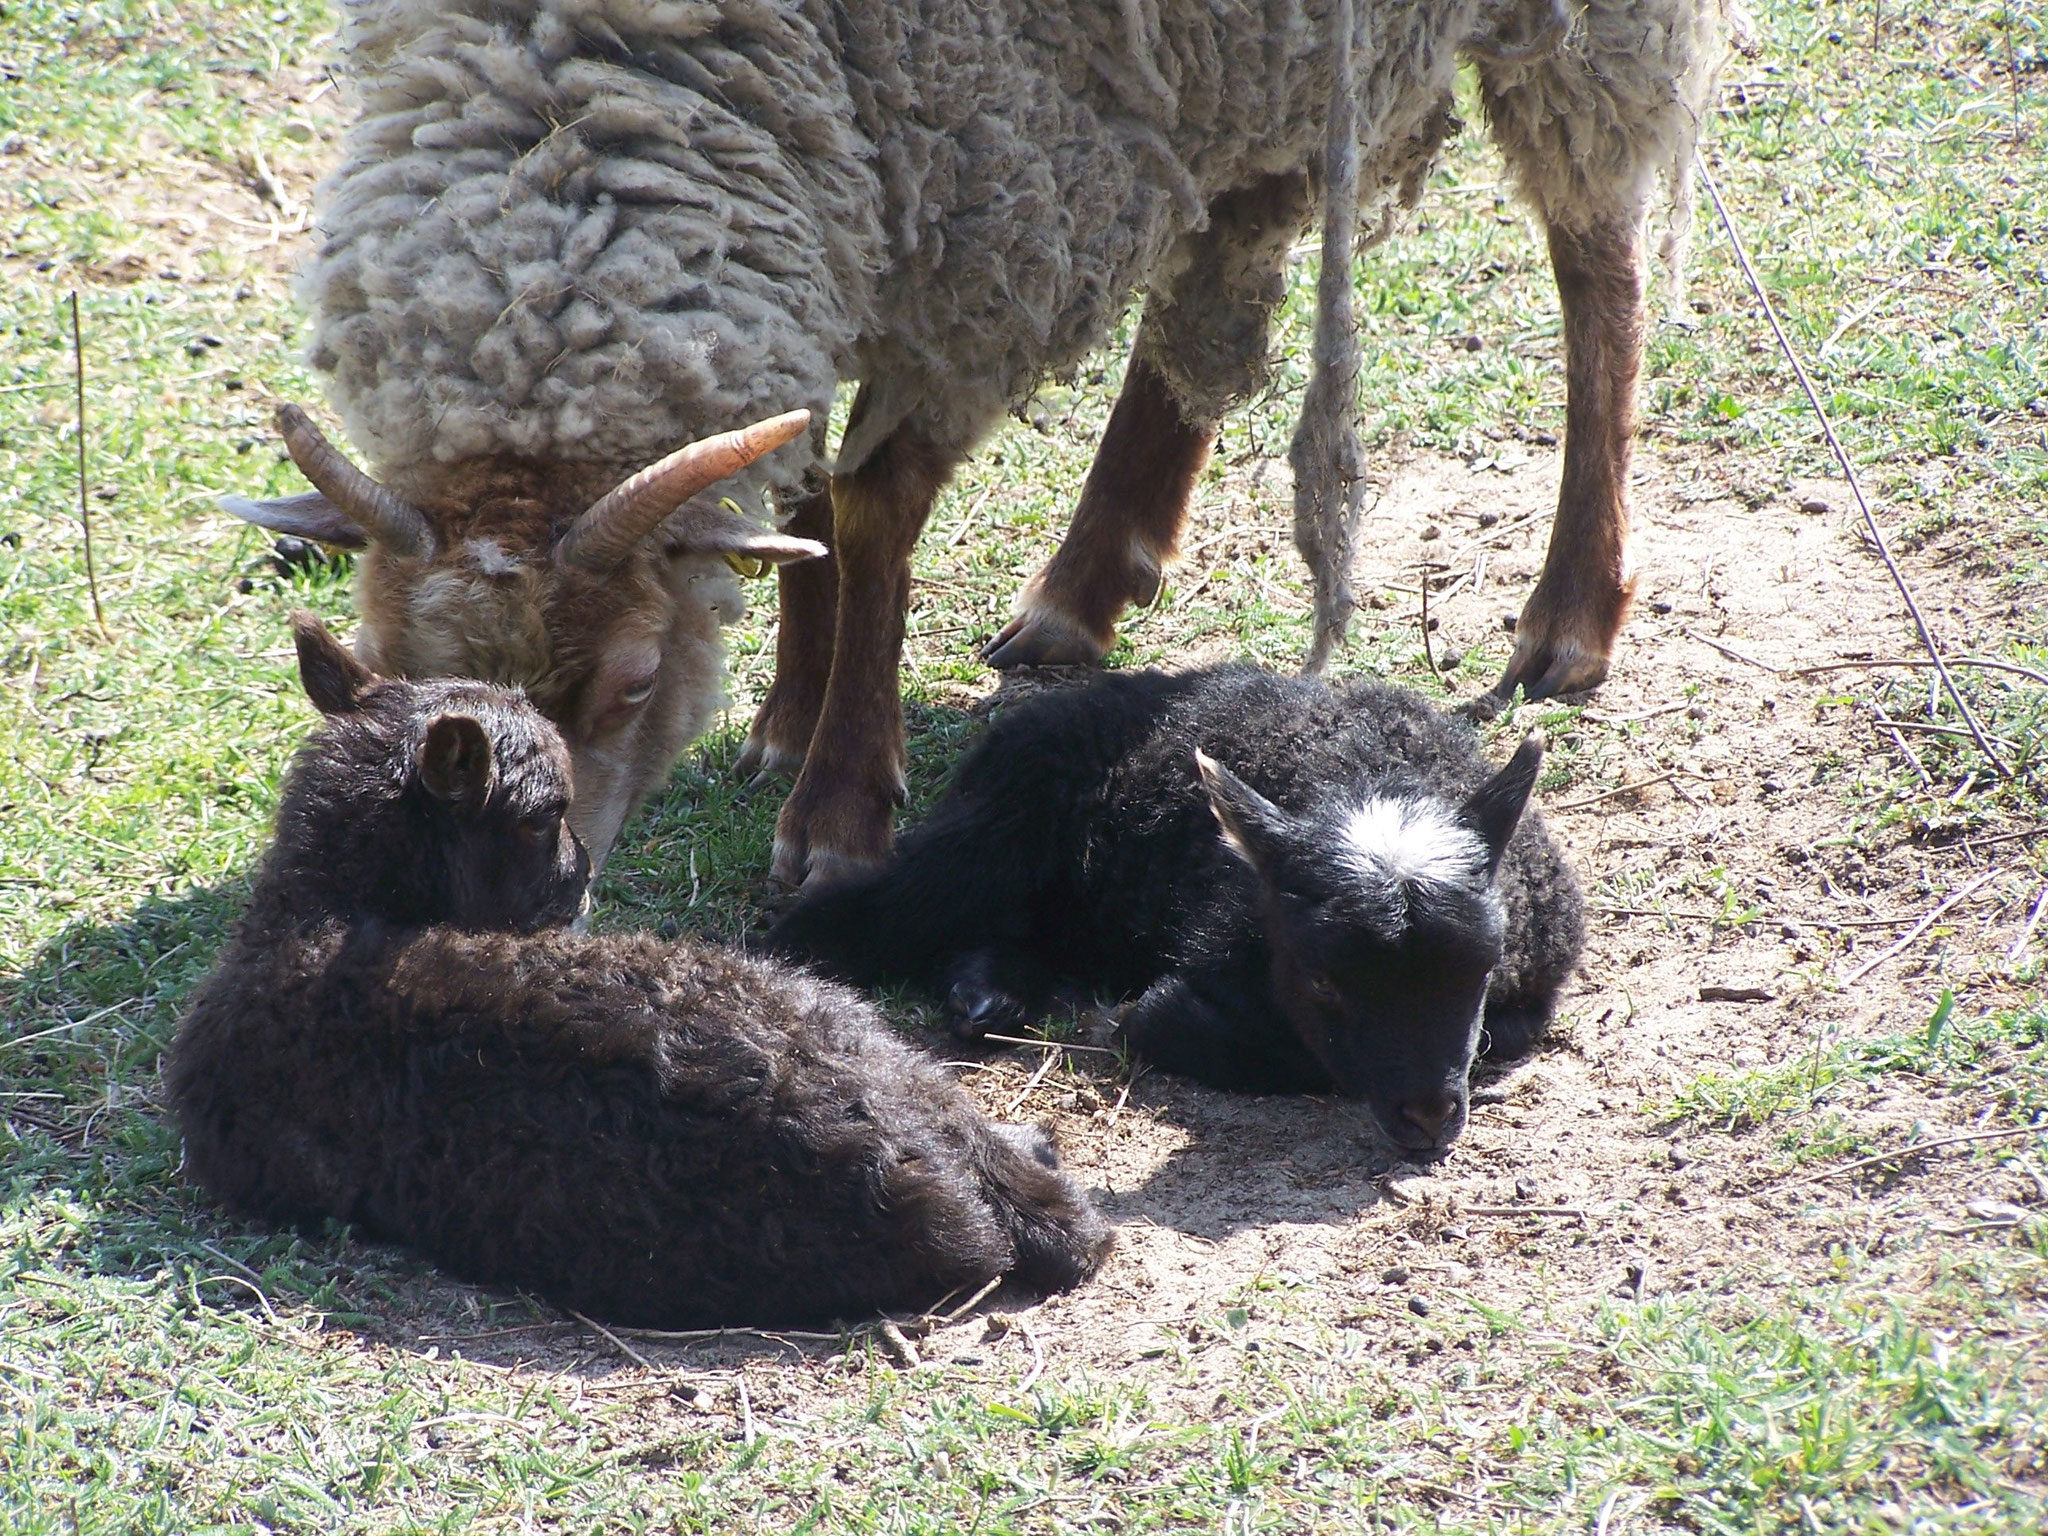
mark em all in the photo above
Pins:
pixel 1126 527
pixel 809 607
pixel 837 819
pixel 1565 637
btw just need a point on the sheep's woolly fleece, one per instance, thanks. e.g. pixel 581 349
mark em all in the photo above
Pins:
pixel 591 230
pixel 594 229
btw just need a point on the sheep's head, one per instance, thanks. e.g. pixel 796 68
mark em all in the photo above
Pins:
pixel 603 602
pixel 1384 922
pixel 444 801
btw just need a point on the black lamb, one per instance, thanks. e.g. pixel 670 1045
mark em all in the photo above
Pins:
pixel 403 1034
pixel 1363 909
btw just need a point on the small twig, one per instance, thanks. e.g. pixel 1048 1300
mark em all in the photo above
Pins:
pixel 1888 724
pixel 967 519
pixel 1917 1148
pixel 620 1344
pixel 92 579
pixel 1521 1210
pixel 749 1431
pixel 2033 921
pixel 1917 929
pixel 1037 1077
pixel 2038 830
pixel 2012 75
pixel 261 1299
pixel 1987 663
pixel 1730 651
pixel 787 1336
pixel 1849 474
pixel 1052 1045
pixel 1641 714
pixel 899 1349
pixel 1621 789
pixel 1428 652
pixel 1037 1354
pixel 945 1319
pixel 1719 994
pixel 1929 728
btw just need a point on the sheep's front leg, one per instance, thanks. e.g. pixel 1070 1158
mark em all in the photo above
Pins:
pixel 838 817
pixel 808 610
pixel 1126 528
pixel 1565 636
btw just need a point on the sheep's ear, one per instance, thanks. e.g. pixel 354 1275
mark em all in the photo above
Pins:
pixel 333 679
pixel 1496 806
pixel 700 530
pixel 455 760
pixel 1252 825
pixel 308 516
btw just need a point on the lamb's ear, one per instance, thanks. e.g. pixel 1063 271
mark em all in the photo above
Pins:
pixel 696 529
pixel 309 516
pixel 1252 825
pixel 1496 806
pixel 455 760
pixel 332 677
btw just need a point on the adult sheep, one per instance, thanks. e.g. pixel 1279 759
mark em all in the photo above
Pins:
pixel 568 234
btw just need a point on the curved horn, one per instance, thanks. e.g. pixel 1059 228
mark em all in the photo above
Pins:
pixel 618 520
pixel 388 518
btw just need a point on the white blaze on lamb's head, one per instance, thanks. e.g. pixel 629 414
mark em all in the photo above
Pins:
pixel 1400 840
pixel 603 602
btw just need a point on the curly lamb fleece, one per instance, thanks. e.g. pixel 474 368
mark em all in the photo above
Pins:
pixel 593 229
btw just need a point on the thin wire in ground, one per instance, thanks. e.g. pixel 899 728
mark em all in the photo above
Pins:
pixel 92 580
pixel 1827 428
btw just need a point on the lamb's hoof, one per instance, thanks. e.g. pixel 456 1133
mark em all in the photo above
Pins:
pixel 975 1009
pixel 1043 637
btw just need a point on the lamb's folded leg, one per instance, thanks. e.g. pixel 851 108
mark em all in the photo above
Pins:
pixel 1565 637
pixel 838 817
pixel 997 988
pixel 1125 530
pixel 1214 1027
pixel 808 611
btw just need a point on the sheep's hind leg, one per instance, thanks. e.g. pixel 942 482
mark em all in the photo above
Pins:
pixel 1565 637
pixel 808 610
pixel 838 817
pixel 1125 530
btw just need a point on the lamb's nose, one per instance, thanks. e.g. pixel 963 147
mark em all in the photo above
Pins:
pixel 1430 1113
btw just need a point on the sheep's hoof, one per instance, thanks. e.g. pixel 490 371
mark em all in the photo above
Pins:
pixel 1567 653
pixel 760 761
pixel 830 833
pixel 1043 637
pixel 780 736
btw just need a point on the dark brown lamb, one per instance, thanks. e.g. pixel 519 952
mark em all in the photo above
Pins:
pixel 403 1034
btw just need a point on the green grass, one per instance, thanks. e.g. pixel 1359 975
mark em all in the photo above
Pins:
pixel 161 1370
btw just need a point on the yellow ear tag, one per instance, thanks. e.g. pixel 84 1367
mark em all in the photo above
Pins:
pixel 746 567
